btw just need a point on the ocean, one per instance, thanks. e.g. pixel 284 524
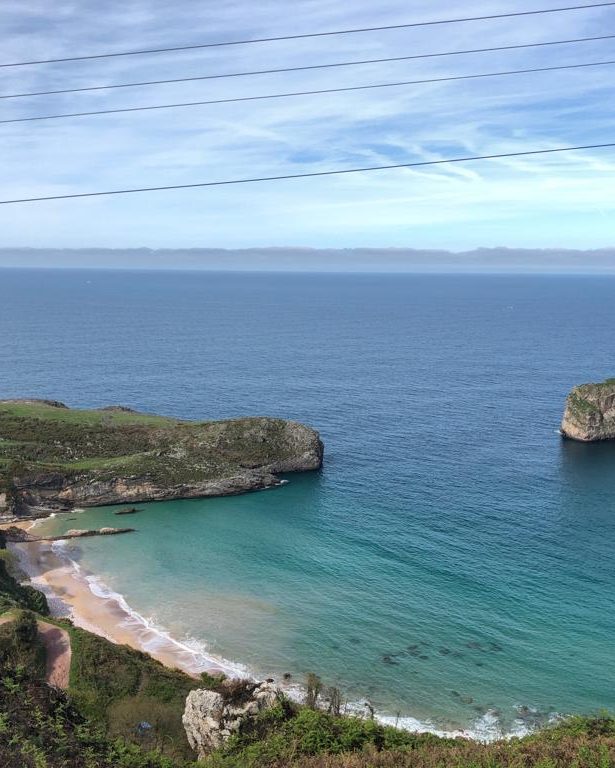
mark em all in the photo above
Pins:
pixel 452 564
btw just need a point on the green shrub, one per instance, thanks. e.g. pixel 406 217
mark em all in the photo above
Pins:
pixel 21 647
pixel 14 594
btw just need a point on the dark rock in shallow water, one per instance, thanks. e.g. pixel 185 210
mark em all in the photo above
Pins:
pixel 444 651
pixel 474 645
pixel 461 698
pixel 79 533
pixel 131 511
pixel 388 659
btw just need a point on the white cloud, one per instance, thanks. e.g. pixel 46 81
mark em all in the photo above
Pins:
pixel 449 206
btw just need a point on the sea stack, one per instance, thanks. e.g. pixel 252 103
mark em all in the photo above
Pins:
pixel 590 413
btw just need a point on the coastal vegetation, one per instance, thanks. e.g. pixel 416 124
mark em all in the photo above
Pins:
pixel 13 594
pixel 122 709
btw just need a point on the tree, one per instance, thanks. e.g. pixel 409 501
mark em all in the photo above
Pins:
pixel 314 688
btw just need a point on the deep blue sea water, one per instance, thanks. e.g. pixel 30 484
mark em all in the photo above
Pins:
pixel 453 562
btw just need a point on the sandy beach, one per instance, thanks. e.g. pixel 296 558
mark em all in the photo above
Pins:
pixel 70 595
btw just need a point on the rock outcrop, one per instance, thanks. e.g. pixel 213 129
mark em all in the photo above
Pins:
pixel 56 458
pixel 211 717
pixel 16 534
pixel 590 413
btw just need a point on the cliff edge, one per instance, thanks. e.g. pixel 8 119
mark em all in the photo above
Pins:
pixel 590 413
pixel 55 458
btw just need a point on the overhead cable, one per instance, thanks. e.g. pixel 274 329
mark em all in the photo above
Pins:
pixel 313 174
pixel 302 36
pixel 321 91
pixel 308 67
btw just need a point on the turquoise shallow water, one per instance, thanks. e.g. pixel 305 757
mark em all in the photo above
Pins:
pixel 452 562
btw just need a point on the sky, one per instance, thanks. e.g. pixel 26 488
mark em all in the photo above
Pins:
pixel 553 201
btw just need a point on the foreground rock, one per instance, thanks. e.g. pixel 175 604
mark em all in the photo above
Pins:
pixel 53 458
pixel 590 413
pixel 211 717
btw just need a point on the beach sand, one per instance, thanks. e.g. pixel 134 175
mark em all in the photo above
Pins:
pixel 69 595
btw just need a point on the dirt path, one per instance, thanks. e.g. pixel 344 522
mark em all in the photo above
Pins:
pixel 57 644
pixel 58 651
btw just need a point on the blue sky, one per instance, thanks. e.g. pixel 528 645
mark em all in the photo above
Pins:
pixel 556 201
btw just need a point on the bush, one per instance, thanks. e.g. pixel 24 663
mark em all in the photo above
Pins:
pixel 14 594
pixel 20 646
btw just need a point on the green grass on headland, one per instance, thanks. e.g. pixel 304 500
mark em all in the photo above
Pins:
pixel 97 418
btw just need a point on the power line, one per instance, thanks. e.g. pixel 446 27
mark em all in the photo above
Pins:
pixel 346 89
pixel 309 67
pixel 310 35
pixel 314 174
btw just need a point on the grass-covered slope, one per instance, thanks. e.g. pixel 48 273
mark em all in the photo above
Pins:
pixel 52 456
pixel 313 739
pixel 41 727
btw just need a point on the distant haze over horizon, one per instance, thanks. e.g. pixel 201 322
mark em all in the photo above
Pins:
pixel 298 259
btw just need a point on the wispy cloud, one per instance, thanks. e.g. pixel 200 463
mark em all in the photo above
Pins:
pixel 563 200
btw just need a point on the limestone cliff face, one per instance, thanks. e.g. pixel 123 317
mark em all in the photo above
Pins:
pixel 212 717
pixel 590 413
pixel 57 491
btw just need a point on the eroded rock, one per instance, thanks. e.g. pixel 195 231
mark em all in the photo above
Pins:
pixel 590 413
pixel 211 717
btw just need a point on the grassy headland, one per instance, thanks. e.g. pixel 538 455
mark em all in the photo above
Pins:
pixel 55 457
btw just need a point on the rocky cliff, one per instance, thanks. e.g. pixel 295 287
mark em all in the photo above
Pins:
pixel 212 717
pixel 590 412
pixel 54 457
